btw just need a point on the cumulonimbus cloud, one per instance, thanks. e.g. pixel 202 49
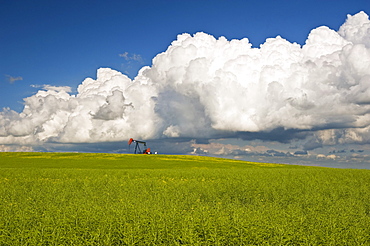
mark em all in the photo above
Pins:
pixel 203 87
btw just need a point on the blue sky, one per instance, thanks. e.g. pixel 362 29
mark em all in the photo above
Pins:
pixel 63 42
pixel 51 44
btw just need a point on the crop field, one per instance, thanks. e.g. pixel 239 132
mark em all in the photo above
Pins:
pixel 113 199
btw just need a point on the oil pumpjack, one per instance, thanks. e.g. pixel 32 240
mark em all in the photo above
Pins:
pixel 137 142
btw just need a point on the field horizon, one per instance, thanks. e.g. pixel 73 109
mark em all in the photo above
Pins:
pixel 22 159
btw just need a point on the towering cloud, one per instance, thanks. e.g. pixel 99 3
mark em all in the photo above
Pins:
pixel 203 87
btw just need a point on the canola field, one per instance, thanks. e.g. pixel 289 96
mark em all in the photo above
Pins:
pixel 113 199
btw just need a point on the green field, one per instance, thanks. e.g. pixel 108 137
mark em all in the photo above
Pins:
pixel 112 199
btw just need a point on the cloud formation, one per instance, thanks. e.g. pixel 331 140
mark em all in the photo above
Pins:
pixel 53 88
pixel 203 87
pixel 12 79
pixel 134 57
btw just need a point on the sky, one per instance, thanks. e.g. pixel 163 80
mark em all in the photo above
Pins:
pixel 275 81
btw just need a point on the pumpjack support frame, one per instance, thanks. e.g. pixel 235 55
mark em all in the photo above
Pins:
pixel 137 146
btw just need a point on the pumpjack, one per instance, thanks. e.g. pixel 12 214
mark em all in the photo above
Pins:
pixel 137 147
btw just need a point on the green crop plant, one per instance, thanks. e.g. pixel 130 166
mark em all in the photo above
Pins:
pixel 112 199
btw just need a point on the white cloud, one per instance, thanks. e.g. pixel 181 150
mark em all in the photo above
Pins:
pixel 57 88
pixel 12 148
pixel 203 87
pixel 331 157
pixel 356 29
pixel 12 79
pixel 132 57
pixel 53 88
